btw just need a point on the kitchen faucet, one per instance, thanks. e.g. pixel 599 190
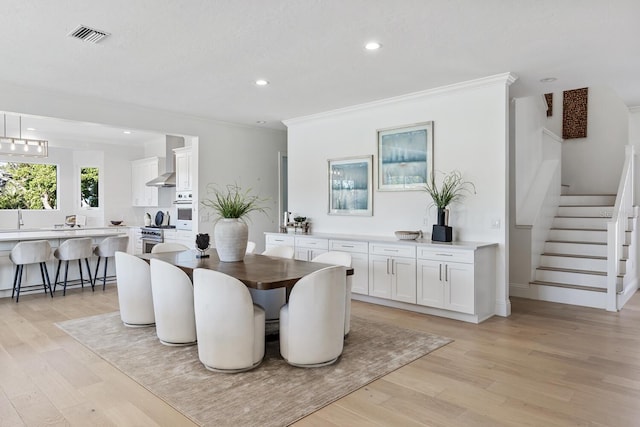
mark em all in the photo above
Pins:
pixel 20 221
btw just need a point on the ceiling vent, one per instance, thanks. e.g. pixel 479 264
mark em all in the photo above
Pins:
pixel 88 34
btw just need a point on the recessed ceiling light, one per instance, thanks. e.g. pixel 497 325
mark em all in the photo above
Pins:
pixel 127 132
pixel 31 128
pixel 372 46
pixel 548 80
pixel 261 122
pixel 261 82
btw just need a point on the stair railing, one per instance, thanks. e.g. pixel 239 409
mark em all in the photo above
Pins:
pixel 617 227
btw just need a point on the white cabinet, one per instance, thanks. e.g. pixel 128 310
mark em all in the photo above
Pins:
pixel 446 279
pixel 143 171
pixel 392 272
pixel 183 168
pixel 307 248
pixel 134 246
pixel 359 262
pixel 279 240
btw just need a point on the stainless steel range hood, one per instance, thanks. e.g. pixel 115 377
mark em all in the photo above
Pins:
pixel 168 179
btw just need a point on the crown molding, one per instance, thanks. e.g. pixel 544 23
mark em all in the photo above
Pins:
pixel 504 78
pixel 634 110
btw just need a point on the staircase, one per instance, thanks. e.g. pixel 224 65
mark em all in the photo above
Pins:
pixel 573 266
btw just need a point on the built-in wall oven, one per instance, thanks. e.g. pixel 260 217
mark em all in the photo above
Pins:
pixel 184 210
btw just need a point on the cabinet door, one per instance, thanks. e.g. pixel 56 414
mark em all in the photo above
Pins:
pixel 183 171
pixel 360 278
pixel 380 276
pixel 430 283
pixel 302 254
pixel 460 287
pixel 136 188
pixel 151 193
pixel 403 287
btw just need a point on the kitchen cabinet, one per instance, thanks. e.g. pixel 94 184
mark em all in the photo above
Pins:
pixel 359 262
pixel 143 171
pixel 446 279
pixel 184 237
pixel 135 241
pixel 307 248
pixel 392 272
pixel 183 168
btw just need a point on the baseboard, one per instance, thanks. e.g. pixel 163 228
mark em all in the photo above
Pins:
pixel 503 308
pixel 627 293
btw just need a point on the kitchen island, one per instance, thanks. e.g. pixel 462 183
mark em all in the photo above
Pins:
pixel 9 238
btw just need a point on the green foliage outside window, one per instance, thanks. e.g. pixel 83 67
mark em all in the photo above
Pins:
pixel 28 186
pixel 89 188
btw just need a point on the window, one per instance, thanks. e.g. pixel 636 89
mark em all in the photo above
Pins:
pixel 28 186
pixel 89 188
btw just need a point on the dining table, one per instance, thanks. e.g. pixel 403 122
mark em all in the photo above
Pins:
pixel 255 271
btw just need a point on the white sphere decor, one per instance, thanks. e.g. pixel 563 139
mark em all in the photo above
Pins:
pixel 231 236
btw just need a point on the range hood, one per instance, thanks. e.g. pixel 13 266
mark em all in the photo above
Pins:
pixel 168 179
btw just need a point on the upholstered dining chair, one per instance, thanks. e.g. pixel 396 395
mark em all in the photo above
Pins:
pixel 71 250
pixel 33 252
pixel 273 299
pixel 168 247
pixel 106 249
pixel 340 258
pixel 172 304
pixel 312 322
pixel 134 290
pixel 230 328
pixel 251 246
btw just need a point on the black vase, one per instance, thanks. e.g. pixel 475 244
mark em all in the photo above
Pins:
pixel 442 216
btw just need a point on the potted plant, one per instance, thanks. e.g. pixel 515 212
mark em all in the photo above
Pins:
pixel 232 205
pixel 452 189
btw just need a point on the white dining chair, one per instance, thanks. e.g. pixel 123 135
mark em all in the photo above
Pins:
pixel 159 248
pixel 312 322
pixel 230 328
pixel 135 298
pixel 340 258
pixel 172 304
pixel 273 299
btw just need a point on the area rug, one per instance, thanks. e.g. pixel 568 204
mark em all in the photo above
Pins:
pixel 274 394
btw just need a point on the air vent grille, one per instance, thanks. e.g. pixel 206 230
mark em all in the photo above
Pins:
pixel 88 34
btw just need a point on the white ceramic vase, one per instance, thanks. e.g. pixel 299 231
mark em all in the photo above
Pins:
pixel 231 236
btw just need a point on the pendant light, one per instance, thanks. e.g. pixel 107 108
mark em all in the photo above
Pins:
pixel 22 146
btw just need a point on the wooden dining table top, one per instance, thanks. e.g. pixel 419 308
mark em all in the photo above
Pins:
pixel 255 271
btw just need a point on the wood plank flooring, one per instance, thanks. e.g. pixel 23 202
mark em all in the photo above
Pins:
pixel 546 365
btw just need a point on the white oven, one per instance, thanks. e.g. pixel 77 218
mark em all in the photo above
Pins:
pixel 184 210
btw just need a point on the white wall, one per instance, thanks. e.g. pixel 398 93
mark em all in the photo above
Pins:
pixel 470 135
pixel 228 150
pixel 592 165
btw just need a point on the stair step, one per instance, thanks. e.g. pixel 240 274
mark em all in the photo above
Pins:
pixel 579 222
pixel 573 270
pixel 574 276
pixel 581 235
pixel 592 211
pixel 588 199
pixel 567 285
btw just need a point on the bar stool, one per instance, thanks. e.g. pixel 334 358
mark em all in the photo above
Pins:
pixel 70 250
pixel 24 253
pixel 108 248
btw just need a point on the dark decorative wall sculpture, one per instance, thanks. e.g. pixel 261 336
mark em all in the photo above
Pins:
pixel 574 113
pixel 549 98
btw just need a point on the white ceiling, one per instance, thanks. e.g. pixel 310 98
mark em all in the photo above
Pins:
pixel 201 57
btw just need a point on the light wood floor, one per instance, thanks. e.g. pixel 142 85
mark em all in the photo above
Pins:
pixel 546 365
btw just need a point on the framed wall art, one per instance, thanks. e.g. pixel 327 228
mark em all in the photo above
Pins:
pixel 405 157
pixel 350 186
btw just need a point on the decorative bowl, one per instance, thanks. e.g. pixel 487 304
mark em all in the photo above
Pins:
pixel 116 222
pixel 407 235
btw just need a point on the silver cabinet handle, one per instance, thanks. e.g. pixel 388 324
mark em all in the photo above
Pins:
pixel 391 250
pixel 446 272
pixel 440 273
pixel 387 265
pixel 393 266
pixel 444 254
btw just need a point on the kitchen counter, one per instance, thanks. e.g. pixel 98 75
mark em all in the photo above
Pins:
pixel 60 233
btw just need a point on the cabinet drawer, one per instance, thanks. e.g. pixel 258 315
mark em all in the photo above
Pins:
pixel 446 254
pixel 312 242
pixel 348 246
pixel 277 240
pixel 392 250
